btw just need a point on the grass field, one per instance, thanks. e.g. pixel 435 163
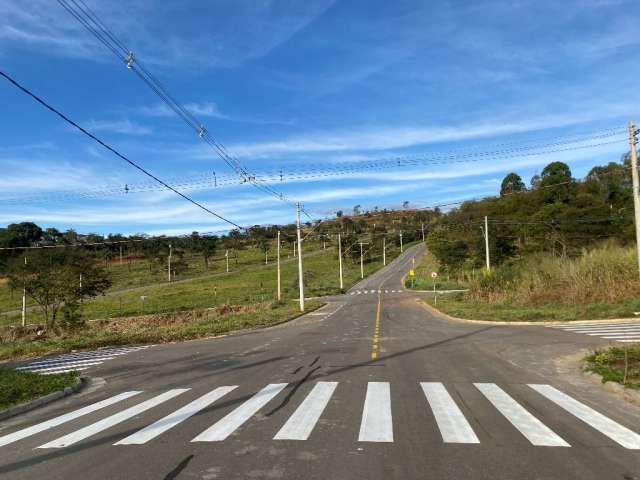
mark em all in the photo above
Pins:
pixel 155 328
pixel 424 281
pixel 19 387
pixel 248 283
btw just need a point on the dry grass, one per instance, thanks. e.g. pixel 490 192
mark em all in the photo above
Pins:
pixel 605 275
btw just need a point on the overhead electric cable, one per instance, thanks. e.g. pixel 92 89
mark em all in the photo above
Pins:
pixel 113 150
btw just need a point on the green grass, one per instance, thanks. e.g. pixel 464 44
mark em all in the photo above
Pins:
pixel 253 283
pixel 424 281
pixel 610 364
pixel 19 387
pixel 157 328
pixel 457 306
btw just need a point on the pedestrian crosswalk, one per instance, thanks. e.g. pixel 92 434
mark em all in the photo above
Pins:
pixel 455 419
pixel 79 361
pixel 625 332
pixel 374 292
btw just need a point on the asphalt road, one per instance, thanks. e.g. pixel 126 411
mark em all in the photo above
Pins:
pixel 370 387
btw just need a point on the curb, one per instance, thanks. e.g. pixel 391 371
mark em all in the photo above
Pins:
pixel 80 383
pixel 437 312
pixel 615 388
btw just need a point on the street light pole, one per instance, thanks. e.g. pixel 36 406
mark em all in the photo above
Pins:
pixel 401 249
pixel 340 261
pixel 636 186
pixel 300 277
pixel 361 263
pixel 278 261
pixel 24 295
pixel 169 263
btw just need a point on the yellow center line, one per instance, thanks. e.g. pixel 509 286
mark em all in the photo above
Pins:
pixel 376 333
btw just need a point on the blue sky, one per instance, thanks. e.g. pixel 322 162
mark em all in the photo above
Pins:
pixel 302 85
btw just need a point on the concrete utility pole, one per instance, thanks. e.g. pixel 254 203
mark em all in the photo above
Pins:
pixel 361 262
pixel 278 261
pixel 81 281
pixel 300 277
pixel 486 242
pixel 401 249
pixel 384 251
pixel 636 184
pixel 422 226
pixel 226 255
pixel 340 261
pixel 24 296
pixel 169 262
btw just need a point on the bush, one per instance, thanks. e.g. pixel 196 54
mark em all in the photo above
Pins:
pixel 604 275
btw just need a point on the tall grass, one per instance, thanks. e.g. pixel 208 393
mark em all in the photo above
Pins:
pixel 601 275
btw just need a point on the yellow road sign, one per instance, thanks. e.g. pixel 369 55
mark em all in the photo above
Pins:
pixel 412 273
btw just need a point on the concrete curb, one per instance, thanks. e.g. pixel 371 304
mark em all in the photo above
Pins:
pixel 437 312
pixel 80 383
pixel 615 388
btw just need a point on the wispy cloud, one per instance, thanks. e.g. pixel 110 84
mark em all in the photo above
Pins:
pixel 124 127
pixel 205 109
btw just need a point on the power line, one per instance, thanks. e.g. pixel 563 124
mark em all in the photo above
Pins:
pixel 92 23
pixel 113 150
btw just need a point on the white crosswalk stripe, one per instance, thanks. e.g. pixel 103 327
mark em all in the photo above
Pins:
pixel 608 427
pixel 376 424
pixel 67 417
pixel 373 292
pixel 454 428
pixel 532 428
pixel 170 421
pixel 115 419
pixel 301 423
pixel 78 361
pixel 626 332
pixel 225 427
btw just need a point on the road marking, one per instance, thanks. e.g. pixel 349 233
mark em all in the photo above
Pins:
pixel 453 426
pixel 173 419
pixel 615 337
pixel 532 428
pixel 65 368
pixel 301 423
pixel 227 425
pixel 377 425
pixel 376 332
pixel 615 431
pixel 115 419
pixel 62 363
pixel 67 417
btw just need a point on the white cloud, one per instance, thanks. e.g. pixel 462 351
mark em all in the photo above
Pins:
pixel 124 127
pixel 205 109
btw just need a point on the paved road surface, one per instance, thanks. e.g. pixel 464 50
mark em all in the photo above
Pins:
pixel 370 387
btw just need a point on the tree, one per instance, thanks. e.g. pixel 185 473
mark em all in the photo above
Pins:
pixel 339 213
pixel 405 204
pixel 52 280
pixel 512 183
pixel 356 210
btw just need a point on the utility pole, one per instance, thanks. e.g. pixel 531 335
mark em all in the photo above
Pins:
pixel 384 251
pixel 226 254
pixel 401 249
pixel 486 242
pixel 300 277
pixel 340 261
pixel 278 261
pixel 169 262
pixel 81 281
pixel 24 295
pixel 422 227
pixel 361 263
pixel 636 184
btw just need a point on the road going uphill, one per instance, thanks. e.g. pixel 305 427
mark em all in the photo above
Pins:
pixel 370 386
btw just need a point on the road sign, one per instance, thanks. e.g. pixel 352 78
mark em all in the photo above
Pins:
pixel 434 274
pixel 412 273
